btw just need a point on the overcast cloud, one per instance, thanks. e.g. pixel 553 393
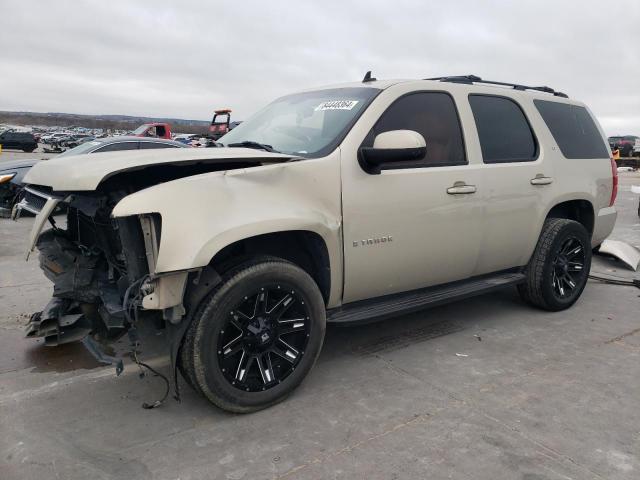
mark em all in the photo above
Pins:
pixel 186 58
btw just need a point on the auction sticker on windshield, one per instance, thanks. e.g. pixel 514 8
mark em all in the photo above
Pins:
pixel 337 105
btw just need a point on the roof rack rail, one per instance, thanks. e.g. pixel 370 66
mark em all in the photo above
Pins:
pixel 471 79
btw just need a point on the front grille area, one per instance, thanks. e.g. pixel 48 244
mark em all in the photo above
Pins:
pixel 32 201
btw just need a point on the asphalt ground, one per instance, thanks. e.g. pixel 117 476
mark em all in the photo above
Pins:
pixel 486 388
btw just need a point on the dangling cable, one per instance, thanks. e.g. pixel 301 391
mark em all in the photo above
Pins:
pixel 157 403
pixel 616 280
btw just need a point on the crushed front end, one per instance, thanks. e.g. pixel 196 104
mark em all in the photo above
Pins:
pixel 99 265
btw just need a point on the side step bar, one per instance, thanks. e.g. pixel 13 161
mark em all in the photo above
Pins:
pixel 392 305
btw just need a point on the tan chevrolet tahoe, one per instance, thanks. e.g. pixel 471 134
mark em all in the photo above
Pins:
pixel 349 203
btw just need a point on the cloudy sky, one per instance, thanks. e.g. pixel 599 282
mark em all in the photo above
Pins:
pixel 186 58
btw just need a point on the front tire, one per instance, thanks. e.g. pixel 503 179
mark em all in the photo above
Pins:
pixel 558 270
pixel 256 337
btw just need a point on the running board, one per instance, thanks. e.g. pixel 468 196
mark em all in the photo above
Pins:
pixel 392 305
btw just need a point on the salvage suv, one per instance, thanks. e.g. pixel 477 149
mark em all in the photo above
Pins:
pixel 350 203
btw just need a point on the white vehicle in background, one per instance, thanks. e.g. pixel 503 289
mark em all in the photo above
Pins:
pixel 54 137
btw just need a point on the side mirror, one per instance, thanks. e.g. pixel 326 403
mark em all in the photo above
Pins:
pixel 393 146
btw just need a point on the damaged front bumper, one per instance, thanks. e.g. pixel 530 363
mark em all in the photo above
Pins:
pixel 90 266
pixel 103 274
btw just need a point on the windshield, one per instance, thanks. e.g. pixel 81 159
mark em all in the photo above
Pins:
pixel 85 147
pixel 307 124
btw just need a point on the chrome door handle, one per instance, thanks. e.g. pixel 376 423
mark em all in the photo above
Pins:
pixel 461 188
pixel 541 180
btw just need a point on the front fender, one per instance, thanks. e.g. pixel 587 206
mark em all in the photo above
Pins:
pixel 204 213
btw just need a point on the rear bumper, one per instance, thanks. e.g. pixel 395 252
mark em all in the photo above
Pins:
pixel 603 226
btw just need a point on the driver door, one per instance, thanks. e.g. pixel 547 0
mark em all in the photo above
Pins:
pixel 406 228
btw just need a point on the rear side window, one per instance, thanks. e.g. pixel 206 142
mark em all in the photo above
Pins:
pixel 573 129
pixel 434 116
pixel 504 132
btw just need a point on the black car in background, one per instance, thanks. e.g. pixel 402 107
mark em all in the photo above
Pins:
pixel 24 141
pixel 13 171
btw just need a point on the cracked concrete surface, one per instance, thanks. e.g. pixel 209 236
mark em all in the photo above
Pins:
pixel 538 396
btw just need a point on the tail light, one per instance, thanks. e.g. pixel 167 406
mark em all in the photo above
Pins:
pixel 614 177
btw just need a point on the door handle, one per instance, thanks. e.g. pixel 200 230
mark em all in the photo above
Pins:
pixel 459 188
pixel 541 180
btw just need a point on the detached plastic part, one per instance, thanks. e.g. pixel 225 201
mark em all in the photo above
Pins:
pixel 96 350
pixel 622 251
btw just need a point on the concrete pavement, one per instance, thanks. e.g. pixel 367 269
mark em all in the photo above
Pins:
pixel 487 388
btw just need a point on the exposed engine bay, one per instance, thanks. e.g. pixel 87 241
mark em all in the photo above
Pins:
pixel 98 266
pixel 102 267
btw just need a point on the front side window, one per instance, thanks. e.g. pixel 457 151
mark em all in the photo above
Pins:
pixel 309 124
pixel 434 116
pixel 503 130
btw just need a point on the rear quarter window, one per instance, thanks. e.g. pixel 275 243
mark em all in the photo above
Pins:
pixel 573 129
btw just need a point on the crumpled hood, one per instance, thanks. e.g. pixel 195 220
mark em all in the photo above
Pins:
pixel 85 172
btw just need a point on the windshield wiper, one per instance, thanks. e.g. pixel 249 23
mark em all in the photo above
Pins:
pixel 251 144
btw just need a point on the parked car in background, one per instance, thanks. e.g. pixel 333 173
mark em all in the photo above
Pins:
pixel 76 139
pixel 626 144
pixel 12 172
pixel 24 141
pixel 54 137
pixel 185 138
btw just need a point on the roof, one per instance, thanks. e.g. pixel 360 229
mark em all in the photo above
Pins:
pixel 454 82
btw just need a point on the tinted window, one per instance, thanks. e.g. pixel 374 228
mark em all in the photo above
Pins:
pixel 573 130
pixel 116 147
pixel 504 132
pixel 145 145
pixel 434 116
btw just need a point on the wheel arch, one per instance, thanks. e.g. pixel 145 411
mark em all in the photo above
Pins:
pixel 580 210
pixel 305 248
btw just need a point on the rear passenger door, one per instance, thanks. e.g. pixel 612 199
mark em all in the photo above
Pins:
pixel 516 180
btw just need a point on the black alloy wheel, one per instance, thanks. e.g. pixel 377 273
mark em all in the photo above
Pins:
pixel 256 335
pixel 568 268
pixel 264 338
pixel 559 267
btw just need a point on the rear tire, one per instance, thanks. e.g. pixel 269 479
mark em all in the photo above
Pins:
pixel 558 270
pixel 256 336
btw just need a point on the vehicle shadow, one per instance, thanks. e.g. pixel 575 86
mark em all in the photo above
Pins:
pixel 409 329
